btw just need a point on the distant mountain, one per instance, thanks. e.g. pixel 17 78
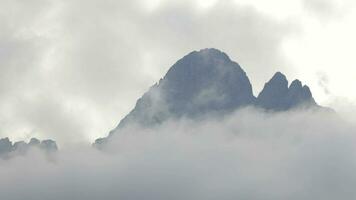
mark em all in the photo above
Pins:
pixel 8 149
pixel 200 83
pixel 208 82
pixel 277 96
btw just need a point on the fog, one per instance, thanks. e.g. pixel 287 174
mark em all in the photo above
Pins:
pixel 248 155
pixel 71 69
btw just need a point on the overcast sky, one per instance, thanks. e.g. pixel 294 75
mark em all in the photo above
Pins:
pixel 71 69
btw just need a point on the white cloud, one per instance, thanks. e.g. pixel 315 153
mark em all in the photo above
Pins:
pixel 93 59
pixel 248 155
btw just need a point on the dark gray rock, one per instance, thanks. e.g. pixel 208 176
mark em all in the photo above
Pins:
pixel 49 145
pixel 208 82
pixel 277 96
pixel 200 83
pixel 20 147
pixel 34 142
pixel 5 146
pixel 299 95
pixel 274 92
pixel 8 150
pixel 101 142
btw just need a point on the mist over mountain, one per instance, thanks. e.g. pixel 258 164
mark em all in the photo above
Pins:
pixel 207 82
pixel 276 95
pixel 256 151
pixel 200 83
pixel 9 149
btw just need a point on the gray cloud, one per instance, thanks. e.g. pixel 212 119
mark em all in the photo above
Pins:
pixel 323 82
pixel 249 155
pixel 324 9
pixel 91 60
pixel 69 70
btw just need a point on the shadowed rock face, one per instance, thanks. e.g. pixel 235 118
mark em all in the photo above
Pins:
pixel 5 146
pixel 274 92
pixel 48 145
pixel 207 82
pixel 34 142
pixel 200 83
pixel 7 149
pixel 20 147
pixel 277 96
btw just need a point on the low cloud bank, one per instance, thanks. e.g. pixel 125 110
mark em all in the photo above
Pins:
pixel 8 149
pixel 249 155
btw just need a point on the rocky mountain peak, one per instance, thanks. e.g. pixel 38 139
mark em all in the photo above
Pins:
pixel 201 82
pixel 273 92
pixel 278 77
pixel 295 85
pixel 9 149
pixel 208 82
pixel 277 96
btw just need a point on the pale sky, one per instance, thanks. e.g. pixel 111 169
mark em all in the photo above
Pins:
pixel 71 69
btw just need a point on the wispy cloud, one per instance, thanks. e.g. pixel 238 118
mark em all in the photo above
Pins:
pixel 249 155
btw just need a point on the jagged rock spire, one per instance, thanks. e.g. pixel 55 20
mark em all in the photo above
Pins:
pixel 7 149
pixel 208 82
pixel 201 82
pixel 276 95
pixel 274 92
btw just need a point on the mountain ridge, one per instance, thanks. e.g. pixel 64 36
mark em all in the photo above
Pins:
pixel 8 148
pixel 208 81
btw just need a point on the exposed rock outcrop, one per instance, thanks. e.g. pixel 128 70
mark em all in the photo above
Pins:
pixel 8 149
pixel 208 82
pixel 277 96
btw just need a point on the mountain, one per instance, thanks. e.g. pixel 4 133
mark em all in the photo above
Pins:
pixel 200 83
pixel 7 148
pixel 277 96
pixel 208 82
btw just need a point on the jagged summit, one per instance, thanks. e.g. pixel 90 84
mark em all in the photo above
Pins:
pixel 210 53
pixel 8 149
pixel 273 91
pixel 296 84
pixel 201 82
pixel 279 77
pixel 276 95
pixel 208 82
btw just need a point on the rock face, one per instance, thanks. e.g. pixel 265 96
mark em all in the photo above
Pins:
pixel 199 83
pixel 5 146
pixel 277 96
pixel 7 149
pixel 48 146
pixel 208 82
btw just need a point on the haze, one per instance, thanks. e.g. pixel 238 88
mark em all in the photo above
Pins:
pixel 70 70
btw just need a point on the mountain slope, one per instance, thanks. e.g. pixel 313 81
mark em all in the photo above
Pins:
pixel 9 149
pixel 277 96
pixel 200 83
pixel 208 82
